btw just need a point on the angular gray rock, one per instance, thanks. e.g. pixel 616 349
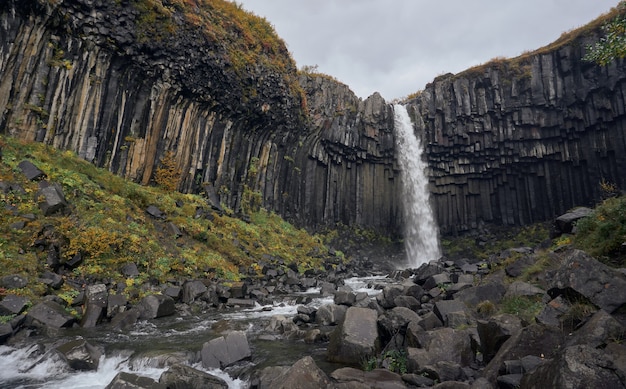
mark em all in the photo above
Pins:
pixel 579 366
pixel 348 377
pixel 186 377
pixel 51 314
pixel 330 314
pixel 442 344
pixel 356 339
pixel 156 305
pixel 13 304
pixel 96 301
pixel 494 331
pixel 51 200
pixel 125 380
pixel 224 351
pixel 603 286
pixel 80 355
pixel 304 374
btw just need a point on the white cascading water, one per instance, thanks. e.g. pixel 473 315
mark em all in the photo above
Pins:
pixel 421 236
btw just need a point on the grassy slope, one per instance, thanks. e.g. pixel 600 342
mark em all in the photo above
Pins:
pixel 108 225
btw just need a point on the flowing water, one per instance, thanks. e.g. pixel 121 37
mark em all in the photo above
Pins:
pixel 149 345
pixel 420 230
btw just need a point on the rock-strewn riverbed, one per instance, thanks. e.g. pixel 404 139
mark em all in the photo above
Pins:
pixel 449 324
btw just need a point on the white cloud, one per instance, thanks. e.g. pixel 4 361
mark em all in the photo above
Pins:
pixel 396 47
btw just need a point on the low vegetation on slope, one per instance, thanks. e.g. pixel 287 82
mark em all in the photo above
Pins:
pixel 107 227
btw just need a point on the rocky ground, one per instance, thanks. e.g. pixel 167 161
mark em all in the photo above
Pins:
pixel 526 318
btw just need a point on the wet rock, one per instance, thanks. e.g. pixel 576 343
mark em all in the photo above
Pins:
pixel 80 355
pixel 115 303
pixel 185 377
pixel 356 338
pixel 579 366
pixel 425 271
pixel 343 297
pixel 51 314
pixel 303 374
pixel 173 291
pixel 156 305
pixel 6 331
pixel 125 320
pixel 125 380
pixel 224 351
pixel 603 286
pixel 239 302
pixel 429 321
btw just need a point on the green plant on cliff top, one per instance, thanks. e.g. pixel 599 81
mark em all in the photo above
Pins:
pixel 613 44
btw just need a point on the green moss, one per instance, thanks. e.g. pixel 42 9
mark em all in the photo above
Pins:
pixel 108 226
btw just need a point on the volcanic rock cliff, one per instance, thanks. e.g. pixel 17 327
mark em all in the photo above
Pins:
pixel 124 82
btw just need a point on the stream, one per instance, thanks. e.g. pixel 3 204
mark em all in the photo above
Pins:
pixel 151 346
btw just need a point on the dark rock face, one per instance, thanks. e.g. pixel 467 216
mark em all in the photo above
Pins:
pixel 510 143
pixel 518 142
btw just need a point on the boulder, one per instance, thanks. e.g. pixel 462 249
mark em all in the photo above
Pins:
pixel 80 355
pixel 125 380
pixel 566 222
pixel 551 313
pixel 520 288
pixel 443 344
pixel 51 200
pixel 344 297
pixel 598 331
pixel 356 339
pixel 377 378
pixel 603 286
pixel 185 377
pixel 395 321
pixel 156 305
pixel 30 171
pixel 13 281
pixel 125 320
pixel 96 300
pixel 493 292
pixel 225 350
pixel 579 366
pixel 330 314
pixel 536 339
pixel 304 374
pixel 387 297
pixel 192 290
pixel 13 304
pixel 495 331
pixel 409 302
pixel 51 314
pixel 444 308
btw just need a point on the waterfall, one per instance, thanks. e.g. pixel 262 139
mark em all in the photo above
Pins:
pixel 420 231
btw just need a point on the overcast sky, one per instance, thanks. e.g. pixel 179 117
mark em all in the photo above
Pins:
pixel 396 47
